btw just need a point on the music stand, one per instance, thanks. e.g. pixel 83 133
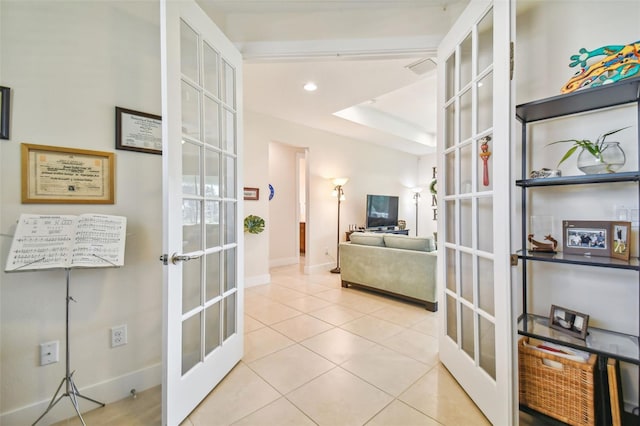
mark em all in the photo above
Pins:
pixel 67 242
pixel 71 390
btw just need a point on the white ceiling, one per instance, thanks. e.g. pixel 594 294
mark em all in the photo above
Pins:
pixel 355 51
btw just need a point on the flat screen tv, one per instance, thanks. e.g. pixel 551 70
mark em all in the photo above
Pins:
pixel 382 211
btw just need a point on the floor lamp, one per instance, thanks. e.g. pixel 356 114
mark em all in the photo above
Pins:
pixel 416 198
pixel 338 192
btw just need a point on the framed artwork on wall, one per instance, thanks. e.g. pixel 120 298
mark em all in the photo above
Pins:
pixel 5 114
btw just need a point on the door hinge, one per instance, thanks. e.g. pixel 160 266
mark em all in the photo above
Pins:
pixel 514 260
pixel 511 61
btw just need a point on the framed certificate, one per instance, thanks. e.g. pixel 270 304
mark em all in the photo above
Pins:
pixel 138 131
pixel 57 175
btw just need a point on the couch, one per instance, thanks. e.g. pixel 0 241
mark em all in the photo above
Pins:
pixel 398 265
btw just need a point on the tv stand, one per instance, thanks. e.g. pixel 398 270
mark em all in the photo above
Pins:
pixel 379 231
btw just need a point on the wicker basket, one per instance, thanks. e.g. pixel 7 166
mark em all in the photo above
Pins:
pixel 565 393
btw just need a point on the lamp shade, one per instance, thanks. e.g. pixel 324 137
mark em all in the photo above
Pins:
pixel 340 181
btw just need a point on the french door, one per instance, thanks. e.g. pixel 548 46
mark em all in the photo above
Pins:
pixel 202 242
pixel 474 115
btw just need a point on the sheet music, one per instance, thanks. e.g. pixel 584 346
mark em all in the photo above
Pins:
pixel 64 241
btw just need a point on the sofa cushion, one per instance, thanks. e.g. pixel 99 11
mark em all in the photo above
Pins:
pixel 367 239
pixel 408 243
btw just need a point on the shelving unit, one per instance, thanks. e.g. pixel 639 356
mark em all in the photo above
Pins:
pixel 605 343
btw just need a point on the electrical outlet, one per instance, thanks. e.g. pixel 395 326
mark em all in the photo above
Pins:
pixel 118 335
pixel 49 352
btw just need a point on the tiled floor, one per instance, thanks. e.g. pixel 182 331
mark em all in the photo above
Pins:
pixel 318 354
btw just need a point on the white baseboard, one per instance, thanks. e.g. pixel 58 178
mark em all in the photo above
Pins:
pixel 285 261
pixel 257 280
pixel 107 392
pixel 322 267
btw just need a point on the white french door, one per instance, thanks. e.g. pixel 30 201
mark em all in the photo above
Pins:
pixel 202 242
pixel 474 106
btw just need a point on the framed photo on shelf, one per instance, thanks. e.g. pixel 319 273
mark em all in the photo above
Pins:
pixel 5 107
pixel 586 237
pixel 251 193
pixel 620 232
pixel 568 321
pixel 57 175
pixel 138 131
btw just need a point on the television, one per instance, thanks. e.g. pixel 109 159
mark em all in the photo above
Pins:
pixel 382 211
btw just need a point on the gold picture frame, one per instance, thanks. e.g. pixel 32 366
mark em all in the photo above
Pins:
pixel 58 175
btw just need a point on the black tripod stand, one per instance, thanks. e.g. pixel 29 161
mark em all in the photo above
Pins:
pixel 71 389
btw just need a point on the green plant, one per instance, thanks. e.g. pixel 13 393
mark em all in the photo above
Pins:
pixel 253 224
pixel 594 148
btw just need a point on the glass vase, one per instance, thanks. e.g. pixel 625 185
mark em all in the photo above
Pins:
pixel 610 159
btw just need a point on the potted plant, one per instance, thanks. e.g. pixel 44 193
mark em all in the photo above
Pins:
pixel 597 157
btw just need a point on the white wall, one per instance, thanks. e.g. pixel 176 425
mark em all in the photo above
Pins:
pixel 548 33
pixel 283 208
pixel 370 169
pixel 69 64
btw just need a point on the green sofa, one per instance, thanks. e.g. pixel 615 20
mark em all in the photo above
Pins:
pixel 394 264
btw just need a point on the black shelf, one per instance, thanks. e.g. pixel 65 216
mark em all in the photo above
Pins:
pixel 624 347
pixel 620 93
pixel 580 179
pixel 576 259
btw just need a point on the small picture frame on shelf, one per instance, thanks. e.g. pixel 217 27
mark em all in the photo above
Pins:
pixel 620 232
pixel 569 322
pixel 586 237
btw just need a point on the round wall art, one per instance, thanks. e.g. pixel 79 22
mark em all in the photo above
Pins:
pixel 271 192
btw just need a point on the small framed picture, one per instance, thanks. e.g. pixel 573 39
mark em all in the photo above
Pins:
pixel 138 131
pixel 5 106
pixel 586 237
pixel 620 232
pixel 251 193
pixel 568 321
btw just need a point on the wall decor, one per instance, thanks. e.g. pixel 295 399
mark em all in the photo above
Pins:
pixel 138 131
pixel 5 107
pixel 586 237
pixel 251 193
pixel 52 174
pixel 253 224
pixel 568 321
pixel 619 62
pixel 620 232
pixel 272 192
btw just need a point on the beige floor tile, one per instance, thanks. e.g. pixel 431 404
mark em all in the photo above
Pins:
pixel 372 328
pixel 269 312
pixel 428 326
pixel 263 342
pixel 252 324
pixel 440 397
pixel 336 315
pixel 301 327
pixel 337 345
pixel 280 293
pixel 304 287
pixel 307 304
pixel 419 346
pixel 406 315
pixel 362 302
pixel 291 367
pixel 333 295
pixel 339 398
pixel 240 393
pixel 386 369
pixel 279 413
pixel 400 414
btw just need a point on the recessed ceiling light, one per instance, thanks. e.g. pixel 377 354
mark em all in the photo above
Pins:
pixel 310 87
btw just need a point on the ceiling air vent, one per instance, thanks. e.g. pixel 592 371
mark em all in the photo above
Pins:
pixel 422 66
